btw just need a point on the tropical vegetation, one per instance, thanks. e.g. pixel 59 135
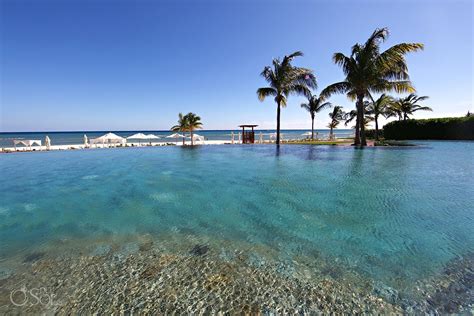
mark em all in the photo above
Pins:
pixel 368 70
pixel 188 123
pixel 285 79
pixel 336 116
pixel 380 107
pixel 404 107
pixel 348 117
pixel 314 105
pixel 459 128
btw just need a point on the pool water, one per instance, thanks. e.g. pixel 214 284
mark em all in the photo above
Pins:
pixel 394 215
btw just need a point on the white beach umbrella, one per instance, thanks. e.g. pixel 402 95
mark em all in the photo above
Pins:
pixel 306 134
pixel 47 142
pixel 176 135
pixel 85 141
pixel 274 135
pixel 138 136
pixel 198 137
pixel 109 137
pixel 151 136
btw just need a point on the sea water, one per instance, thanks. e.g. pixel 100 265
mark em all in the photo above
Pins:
pixel 74 138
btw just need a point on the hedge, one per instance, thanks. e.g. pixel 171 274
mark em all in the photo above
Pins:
pixel 370 133
pixel 448 128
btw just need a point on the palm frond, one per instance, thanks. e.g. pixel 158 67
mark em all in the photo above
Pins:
pixel 338 87
pixel 262 93
pixel 422 108
pixel 299 89
pixel 402 86
pixel 325 105
pixel 378 36
pixel 306 106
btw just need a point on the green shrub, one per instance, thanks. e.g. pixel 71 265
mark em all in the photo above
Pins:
pixel 370 133
pixel 454 128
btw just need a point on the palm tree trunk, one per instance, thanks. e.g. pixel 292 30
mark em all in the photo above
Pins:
pixel 360 116
pixel 278 124
pixel 192 140
pixel 357 127
pixel 312 128
pixel 357 132
pixel 376 127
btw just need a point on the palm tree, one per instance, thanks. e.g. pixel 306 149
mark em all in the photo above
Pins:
pixel 193 122
pixel 404 107
pixel 182 125
pixel 285 79
pixel 315 104
pixel 336 116
pixel 369 70
pixel 351 115
pixel 379 107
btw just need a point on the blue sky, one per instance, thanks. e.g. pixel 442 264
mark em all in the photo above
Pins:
pixel 127 65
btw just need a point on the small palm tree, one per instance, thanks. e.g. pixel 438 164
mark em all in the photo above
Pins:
pixel 315 104
pixel 336 116
pixel 351 115
pixel 193 122
pixel 379 107
pixel 285 79
pixel 369 70
pixel 404 107
pixel 182 125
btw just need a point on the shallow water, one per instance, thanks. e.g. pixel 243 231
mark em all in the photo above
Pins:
pixel 394 216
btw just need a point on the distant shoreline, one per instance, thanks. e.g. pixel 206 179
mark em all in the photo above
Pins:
pixel 168 131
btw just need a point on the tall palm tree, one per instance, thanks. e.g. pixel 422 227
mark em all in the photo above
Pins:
pixel 182 125
pixel 285 79
pixel 193 123
pixel 315 104
pixel 379 107
pixel 404 107
pixel 336 116
pixel 369 70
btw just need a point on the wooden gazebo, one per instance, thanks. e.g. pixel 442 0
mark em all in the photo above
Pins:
pixel 248 137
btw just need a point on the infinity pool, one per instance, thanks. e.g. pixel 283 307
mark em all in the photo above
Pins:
pixel 392 216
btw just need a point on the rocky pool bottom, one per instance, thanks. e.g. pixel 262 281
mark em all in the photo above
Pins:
pixel 192 275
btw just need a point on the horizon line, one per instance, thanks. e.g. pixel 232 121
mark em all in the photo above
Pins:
pixel 159 130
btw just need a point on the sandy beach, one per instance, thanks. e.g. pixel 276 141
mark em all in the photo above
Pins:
pixel 339 142
pixel 102 146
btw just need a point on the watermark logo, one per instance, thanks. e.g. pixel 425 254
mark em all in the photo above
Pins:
pixel 25 297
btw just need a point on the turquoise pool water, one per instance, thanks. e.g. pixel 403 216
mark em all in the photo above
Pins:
pixel 395 215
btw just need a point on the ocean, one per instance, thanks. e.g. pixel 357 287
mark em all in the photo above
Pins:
pixel 77 137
